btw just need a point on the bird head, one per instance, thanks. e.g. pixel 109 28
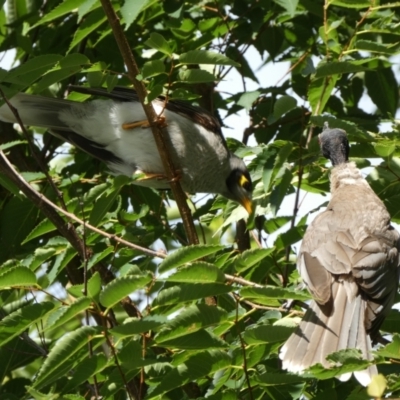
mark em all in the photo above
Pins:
pixel 334 145
pixel 238 184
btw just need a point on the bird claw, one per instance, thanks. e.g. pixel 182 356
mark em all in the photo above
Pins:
pixel 158 177
pixel 161 122
pixel 177 177
pixel 136 124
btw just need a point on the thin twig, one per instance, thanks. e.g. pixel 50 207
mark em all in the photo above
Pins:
pixel 267 308
pixel 243 347
pixel 241 281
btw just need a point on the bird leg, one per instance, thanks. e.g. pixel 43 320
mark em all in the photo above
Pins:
pixel 158 177
pixel 161 122
pixel 177 177
pixel 137 124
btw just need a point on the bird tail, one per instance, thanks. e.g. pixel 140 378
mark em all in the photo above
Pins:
pixel 326 329
pixel 37 111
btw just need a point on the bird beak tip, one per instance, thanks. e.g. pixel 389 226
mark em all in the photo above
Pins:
pixel 247 204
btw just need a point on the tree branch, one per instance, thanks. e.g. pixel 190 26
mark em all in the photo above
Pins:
pixel 160 135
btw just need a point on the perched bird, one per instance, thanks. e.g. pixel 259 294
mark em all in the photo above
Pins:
pixel 349 261
pixel 116 131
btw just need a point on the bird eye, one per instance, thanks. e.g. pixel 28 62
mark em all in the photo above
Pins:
pixel 245 183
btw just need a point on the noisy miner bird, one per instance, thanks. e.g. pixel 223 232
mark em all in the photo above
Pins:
pixel 349 261
pixel 116 131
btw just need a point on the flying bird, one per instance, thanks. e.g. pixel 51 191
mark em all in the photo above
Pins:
pixel 115 130
pixel 349 261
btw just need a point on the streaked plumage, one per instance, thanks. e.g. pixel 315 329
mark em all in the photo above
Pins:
pixel 349 261
pixel 199 149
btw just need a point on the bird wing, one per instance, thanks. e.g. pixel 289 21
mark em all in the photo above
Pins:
pixel 198 115
pixel 340 245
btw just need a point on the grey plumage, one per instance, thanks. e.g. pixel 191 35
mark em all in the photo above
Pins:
pixel 349 261
pixel 199 149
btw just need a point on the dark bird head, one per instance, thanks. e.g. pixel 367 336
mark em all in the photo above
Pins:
pixel 334 145
pixel 238 184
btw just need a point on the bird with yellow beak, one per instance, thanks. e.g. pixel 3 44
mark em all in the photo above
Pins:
pixel 115 131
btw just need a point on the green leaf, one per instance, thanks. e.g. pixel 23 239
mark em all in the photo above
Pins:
pixel 196 76
pixel 247 99
pixel 62 9
pixel 377 387
pixel 267 334
pixel 74 60
pixel 199 340
pixel 289 5
pixel 283 105
pixel 249 258
pixel 391 350
pixel 9 145
pixel 121 287
pixel 64 349
pixel 17 218
pixel 357 4
pixel 383 81
pixel 94 286
pixel 190 291
pixel 392 322
pixel 61 261
pixel 291 236
pixel 56 76
pixel 206 57
pixel 19 321
pixel 325 69
pixel 385 149
pixel 273 292
pixel 33 69
pixel 90 24
pixel 351 360
pixel 33 176
pixel 102 206
pixel 191 319
pixel 320 91
pixel 86 6
pixel 201 364
pixel 135 326
pixel 153 68
pixel 66 313
pixel 375 47
pixel 97 257
pixel 86 369
pixel 157 41
pixel 198 272
pixel 187 254
pixel 17 277
pixel 131 9
pixel 272 379
pixel 280 191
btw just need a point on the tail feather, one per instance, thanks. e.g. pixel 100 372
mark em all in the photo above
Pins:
pixel 326 329
pixel 37 111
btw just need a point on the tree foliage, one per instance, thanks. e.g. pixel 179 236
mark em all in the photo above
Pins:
pixel 84 313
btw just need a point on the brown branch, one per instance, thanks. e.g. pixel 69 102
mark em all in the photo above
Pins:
pixel 243 347
pixel 242 281
pixel 160 136
pixel 50 210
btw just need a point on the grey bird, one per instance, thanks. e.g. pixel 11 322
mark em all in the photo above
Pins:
pixel 349 261
pixel 115 130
